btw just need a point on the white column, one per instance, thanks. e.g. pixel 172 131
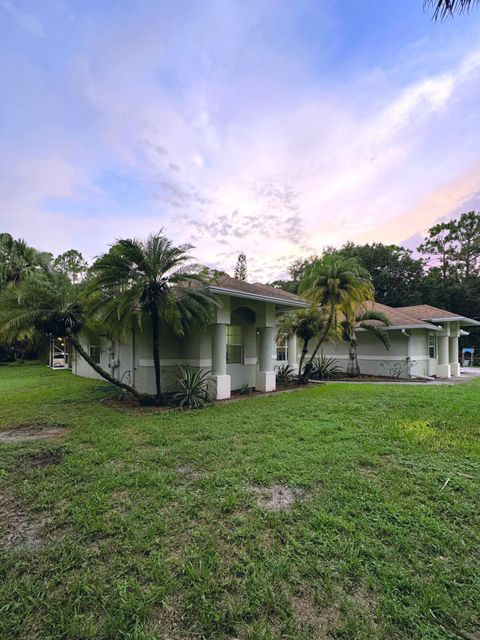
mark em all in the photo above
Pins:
pixel 443 367
pixel 265 379
pixel 219 361
pixel 453 356
pixel 292 352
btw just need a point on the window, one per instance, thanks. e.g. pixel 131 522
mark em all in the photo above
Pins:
pixel 432 346
pixel 234 344
pixel 95 353
pixel 282 347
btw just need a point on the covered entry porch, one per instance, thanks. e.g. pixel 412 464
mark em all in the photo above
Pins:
pixel 243 343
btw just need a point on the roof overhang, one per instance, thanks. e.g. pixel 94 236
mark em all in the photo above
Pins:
pixel 287 304
pixel 461 319
pixel 399 327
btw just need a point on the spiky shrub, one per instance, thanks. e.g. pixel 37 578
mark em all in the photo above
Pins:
pixel 193 387
pixel 284 373
pixel 324 368
pixel 245 390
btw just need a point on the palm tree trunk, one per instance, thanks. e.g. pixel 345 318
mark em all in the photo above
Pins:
pixel 86 356
pixel 323 335
pixel 353 368
pixel 156 350
pixel 302 358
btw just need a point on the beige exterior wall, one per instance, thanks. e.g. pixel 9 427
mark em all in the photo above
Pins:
pixel 132 360
pixel 375 359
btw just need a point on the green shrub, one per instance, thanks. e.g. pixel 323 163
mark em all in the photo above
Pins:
pixel 284 373
pixel 245 389
pixel 193 387
pixel 324 368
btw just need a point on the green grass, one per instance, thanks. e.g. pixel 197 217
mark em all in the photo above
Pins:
pixel 376 547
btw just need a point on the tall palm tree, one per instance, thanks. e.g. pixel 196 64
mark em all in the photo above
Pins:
pixel 370 320
pixel 150 278
pixel 305 324
pixel 334 282
pixel 445 8
pixel 50 304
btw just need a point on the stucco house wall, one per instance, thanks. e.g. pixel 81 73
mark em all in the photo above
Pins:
pixel 131 360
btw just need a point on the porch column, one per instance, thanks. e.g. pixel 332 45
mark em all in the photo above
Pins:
pixel 292 352
pixel 265 379
pixel 219 361
pixel 443 367
pixel 453 356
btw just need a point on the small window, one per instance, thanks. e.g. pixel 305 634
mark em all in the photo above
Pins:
pixel 432 346
pixel 234 344
pixel 282 347
pixel 95 353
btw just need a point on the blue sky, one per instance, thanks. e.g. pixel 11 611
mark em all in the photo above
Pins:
pixel 269 127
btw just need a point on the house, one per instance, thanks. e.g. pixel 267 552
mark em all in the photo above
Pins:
pixel 423 343
pixel 239 346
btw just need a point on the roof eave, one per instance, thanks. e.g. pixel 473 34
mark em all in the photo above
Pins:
pixel 397 327
pixel 465 321
pixel 293 304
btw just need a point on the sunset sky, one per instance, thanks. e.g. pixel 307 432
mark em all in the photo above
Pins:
pixel 270 127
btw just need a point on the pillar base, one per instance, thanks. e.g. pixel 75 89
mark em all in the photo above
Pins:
pixel 223 387
pixel 443 371
pixel 455 369
pixel 265 381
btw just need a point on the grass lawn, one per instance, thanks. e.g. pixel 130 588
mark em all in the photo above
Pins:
pixel 148 526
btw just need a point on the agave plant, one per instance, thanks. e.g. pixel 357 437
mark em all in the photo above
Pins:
pixel 284 373
pixel 324 368
pixel 193 387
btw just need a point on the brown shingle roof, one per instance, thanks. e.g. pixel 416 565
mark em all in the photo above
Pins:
pixel 427 312
pixel 257 289
pixel 397 317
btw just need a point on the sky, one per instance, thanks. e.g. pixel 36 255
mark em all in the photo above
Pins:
pixel 269 127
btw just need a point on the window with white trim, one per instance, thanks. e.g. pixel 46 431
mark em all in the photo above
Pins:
pixel 432 345
pixel 282 347
pixel 94 351
pixel 234 344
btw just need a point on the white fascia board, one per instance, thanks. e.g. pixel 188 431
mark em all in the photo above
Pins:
pixel 256 296
pixel 461 319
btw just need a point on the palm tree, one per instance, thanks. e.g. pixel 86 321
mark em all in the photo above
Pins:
pixel 18 260
pixel 150 279
pixel 305 324
pixel 446 8
pixel 334 282
pixel 50 304
pixel 354 318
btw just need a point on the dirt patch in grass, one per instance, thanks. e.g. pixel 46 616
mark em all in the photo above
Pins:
pixel 275 497
pixel 18 530
pixel 41 459
pixel 188 473
pixel 314 618
pixel 32 431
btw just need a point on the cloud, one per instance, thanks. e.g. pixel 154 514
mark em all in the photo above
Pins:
pixel 233 134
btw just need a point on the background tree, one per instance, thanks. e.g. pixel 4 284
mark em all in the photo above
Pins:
pixel 72 263
pixel 240 272
pixel 150 279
